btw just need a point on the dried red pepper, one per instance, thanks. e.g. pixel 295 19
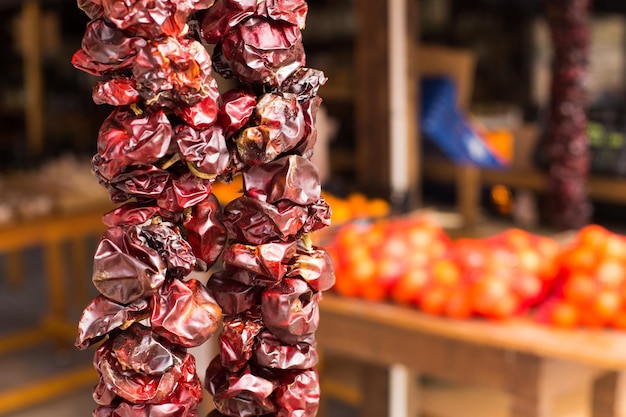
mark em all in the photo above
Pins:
pixel 169 139
pixel 567 143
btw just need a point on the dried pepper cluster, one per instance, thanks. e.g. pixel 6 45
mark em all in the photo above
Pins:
pixel 170 137
pixel 567 141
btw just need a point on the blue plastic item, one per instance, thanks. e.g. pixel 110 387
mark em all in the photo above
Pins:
pixel 443 124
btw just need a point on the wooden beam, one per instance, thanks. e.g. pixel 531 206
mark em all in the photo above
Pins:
pixel 33 79
pixel 379 112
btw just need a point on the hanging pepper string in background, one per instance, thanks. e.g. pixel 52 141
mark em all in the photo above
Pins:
pixel 567 144
pixel 170 137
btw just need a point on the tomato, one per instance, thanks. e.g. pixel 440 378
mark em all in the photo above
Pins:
pixel 527 286
pixel 619 321
pixel 433 299
pixel 408 289
pixel 548 248
pixel 611 273
pixel 580 259
pixel 488 292
pixel 529 260
pixel 517 239
pixel 504 307
pixel 419 238
pixel 344 286
pixel 394 247
pixel 615 247
pixel 458 305
pixel 388 272
pixel 593 236
pixel 563 314
pixel 606 305
pixel 580 289
pixel 446 273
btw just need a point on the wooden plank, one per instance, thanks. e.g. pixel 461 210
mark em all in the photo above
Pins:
pixel 370 331
pixel 602 188
pixel 16 398
pixel 51 228
pixel 23 339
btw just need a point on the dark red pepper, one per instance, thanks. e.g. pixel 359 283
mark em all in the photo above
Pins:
pixel 117 91
pixel 269 259
pixel 105 49
pixel 237 339
pixel 290 311
pixel 279 127
pixel 270 352
pixel 205 232
pixel 126 139
pixel 125 268
pixel 184 313
pixel 262 51
pixel 171 72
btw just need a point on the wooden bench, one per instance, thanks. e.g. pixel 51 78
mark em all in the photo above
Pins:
pixel 532 363
pixel 50 233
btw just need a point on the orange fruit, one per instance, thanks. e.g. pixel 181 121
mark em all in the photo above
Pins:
pixel 378 207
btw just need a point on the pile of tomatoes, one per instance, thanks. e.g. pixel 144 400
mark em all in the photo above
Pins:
pixel 591 284
pixel 411 261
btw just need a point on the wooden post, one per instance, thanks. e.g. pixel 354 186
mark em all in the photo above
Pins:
pixel 609 395
pixel 33 80
pixel 375 391
pixel 386 167
pixel 468 194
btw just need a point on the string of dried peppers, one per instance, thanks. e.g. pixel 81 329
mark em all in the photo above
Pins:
pixel 567 141
pixel 170 137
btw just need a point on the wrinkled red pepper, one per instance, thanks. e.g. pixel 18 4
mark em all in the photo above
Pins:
pixel 171 136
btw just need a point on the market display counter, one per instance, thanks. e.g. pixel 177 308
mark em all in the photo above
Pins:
pixel 532 363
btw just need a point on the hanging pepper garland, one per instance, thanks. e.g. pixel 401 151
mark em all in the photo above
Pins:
pixel 567 141
pixel 170 137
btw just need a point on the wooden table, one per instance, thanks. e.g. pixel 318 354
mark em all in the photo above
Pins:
pixel 532 363
pixel 51 233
